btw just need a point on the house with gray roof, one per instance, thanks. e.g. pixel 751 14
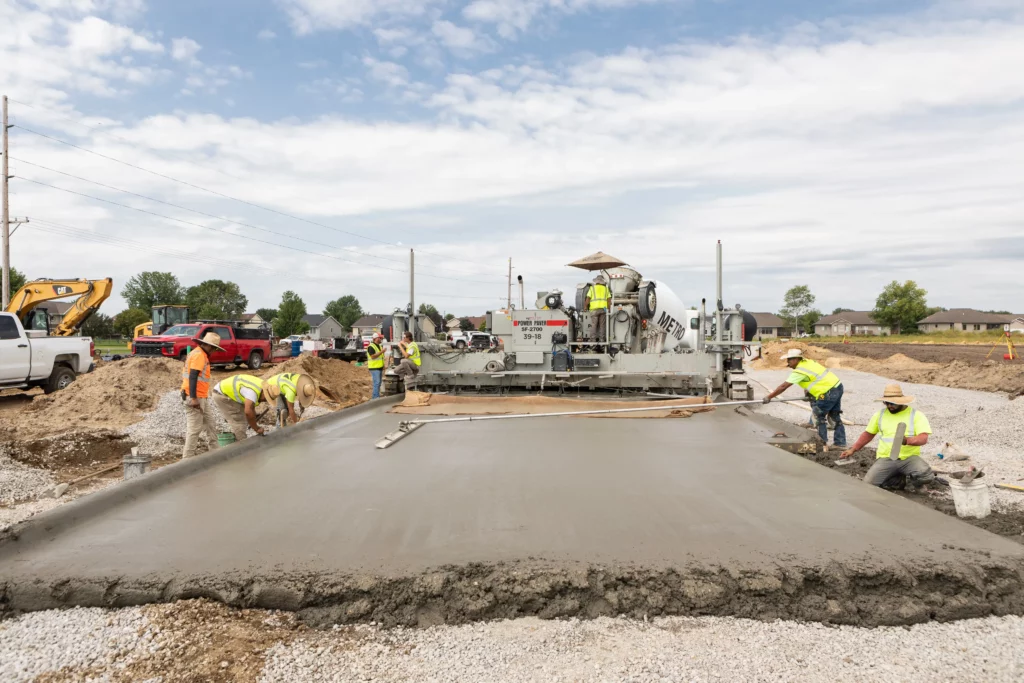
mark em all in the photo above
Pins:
pixel 850 323
pixel 770 326
pixel 966 320
pixel 322 327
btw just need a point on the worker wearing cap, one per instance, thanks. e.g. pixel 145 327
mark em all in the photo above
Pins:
pixel 411 361
pixel 825 389
pixel 237 398
pixel 287 389
pixel 375 361
pixel 885 422
pixel 597 303
pixel 195 392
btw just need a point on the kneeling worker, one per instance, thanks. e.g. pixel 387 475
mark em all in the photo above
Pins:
pixel 411 361
pixel 885 422
pixel 236 398
pixel 825 389
pixel 286 390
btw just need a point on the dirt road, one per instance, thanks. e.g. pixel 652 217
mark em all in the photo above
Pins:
pixel 926 353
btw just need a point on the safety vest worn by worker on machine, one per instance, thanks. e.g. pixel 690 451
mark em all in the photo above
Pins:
pixel 815 378
pixel 598 295
pixel 885 424
pixel 374 363
pixel 197 360
pixel 287 382
pixel 413 350
pixel 232 386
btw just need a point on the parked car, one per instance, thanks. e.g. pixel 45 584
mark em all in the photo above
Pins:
pixel 482 341
pixel 241 344
pixel 458 340
pixel 48 362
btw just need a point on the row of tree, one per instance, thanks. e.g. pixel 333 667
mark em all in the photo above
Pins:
pixel 899 306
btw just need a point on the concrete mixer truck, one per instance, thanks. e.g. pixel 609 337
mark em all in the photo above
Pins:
pixel 652 343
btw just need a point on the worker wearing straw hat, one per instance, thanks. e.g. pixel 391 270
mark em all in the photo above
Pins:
pixel 236 398
pixel 826 393
pixel 287 389
pixel 896 410
pixel 195 392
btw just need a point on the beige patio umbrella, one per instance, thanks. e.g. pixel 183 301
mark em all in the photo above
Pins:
pixel 598 261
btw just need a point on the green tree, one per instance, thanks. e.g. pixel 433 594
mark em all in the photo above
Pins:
pixel 289 316
pixel 346 310
pixel 448 316
pixel 144 290
pixel 431 312
pixel 126 321
pixel 100 326
pixel 901 306
pixel 216 300
pixel 797 303
pixel 18 280
pixel 465 324
pixel 483 326
pixel 837 311
pixel 268 314
pixel 808 319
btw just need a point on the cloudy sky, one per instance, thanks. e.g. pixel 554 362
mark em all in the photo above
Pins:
pixel 309 144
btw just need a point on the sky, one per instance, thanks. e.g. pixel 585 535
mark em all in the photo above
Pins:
pixel 309 145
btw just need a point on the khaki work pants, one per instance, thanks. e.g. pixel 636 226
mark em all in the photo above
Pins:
pixel 233 413
pixel 198 420
pixel 407 369
pixel 597 318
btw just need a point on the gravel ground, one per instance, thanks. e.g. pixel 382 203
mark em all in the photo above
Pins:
pixel 988 427
pixel 20 482
pixel 112 644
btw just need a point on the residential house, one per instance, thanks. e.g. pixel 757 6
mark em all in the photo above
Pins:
pixel 965 320
pixel 322 327
pixel 1017 324
pixel 252 321
pixel 850 323
pixel 368 324
pixel 770 325
pixel 454 325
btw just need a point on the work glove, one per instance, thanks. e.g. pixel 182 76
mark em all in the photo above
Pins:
pixel 766 400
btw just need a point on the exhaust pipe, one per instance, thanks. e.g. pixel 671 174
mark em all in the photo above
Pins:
pixel 522 296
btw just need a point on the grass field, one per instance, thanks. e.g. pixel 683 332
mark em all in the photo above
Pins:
pixel 112 346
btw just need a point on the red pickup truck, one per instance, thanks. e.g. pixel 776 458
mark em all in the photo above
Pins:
pixel 241 345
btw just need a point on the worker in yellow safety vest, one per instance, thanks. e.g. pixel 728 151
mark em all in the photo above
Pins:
pixel 909 467
pixel 236 398
pixel 375 361
pixel 411 361
pixel 195 392
pixel 597 303
pixel 285 391
pixel 825 389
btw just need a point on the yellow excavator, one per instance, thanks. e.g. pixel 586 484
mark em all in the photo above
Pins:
pixel 26 303
pixel 165 316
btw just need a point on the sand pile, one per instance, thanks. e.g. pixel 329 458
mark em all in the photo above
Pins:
pixel 771 354
pixel 347 383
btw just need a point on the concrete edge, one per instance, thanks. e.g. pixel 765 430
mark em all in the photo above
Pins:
pixel 77 511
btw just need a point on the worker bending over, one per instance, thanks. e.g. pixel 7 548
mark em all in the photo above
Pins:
pixel 237 398
pixel 597 303
pixel 896 410
pixel 195 392
pixel 287 389
pixel 411 361
pixel 375 361
pixel 825 389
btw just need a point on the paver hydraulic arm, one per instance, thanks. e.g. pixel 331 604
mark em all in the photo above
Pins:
pixel 91 293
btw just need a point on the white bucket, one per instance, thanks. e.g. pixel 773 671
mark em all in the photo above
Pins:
pixel 971 500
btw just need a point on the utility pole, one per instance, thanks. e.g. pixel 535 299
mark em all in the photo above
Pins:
pixel 508 301
pixel 6 217
pixel 412 293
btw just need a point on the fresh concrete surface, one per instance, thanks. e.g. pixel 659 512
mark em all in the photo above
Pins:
pixel 306 523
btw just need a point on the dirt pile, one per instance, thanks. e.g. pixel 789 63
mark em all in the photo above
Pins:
pixel 771 354
pixel 347 384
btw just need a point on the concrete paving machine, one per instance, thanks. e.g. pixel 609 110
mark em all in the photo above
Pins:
pixel 651 343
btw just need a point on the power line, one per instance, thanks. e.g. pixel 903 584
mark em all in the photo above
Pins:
pixel 225 196
pixel 229 220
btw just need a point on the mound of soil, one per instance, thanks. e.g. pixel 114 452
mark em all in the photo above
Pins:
pixel 771 354
pixel 346 384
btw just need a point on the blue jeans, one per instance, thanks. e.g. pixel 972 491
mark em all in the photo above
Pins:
pixel 376 374
pixel 830 404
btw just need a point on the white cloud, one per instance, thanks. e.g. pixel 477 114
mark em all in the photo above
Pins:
pixel 185 50
pixel 93 36
pixel 514 16
pixel 308 16
pixel 266 34
pixel 389 73
pixel 460 38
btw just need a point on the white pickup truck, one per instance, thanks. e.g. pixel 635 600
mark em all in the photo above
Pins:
pixel 48 362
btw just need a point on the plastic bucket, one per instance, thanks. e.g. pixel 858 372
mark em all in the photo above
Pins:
pixel 970 500
pixel 135 464
pixel 296 347
pixel 225 439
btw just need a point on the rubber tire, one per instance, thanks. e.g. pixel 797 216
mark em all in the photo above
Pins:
pixel 255 361
pixel 460 344
pixel 59 379
pixel 647 293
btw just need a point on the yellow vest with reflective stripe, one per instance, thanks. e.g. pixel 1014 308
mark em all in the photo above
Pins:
pixel 887 424
pixel 817 378
pixel 374 363
pixel 231 387
pixel 287 383
pixel 413 350
pixel 598 295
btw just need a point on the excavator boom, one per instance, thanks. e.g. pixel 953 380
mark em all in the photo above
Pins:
pixel 90 293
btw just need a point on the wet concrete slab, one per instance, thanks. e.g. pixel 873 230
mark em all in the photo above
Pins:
pixel 550 516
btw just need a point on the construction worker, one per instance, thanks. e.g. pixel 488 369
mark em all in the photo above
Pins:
pixel 885 471
pixel 411 361
pixel 826 393
pixel 237 398
pixel 195 392
pixel 287 389
pixel 375 361
pixel 597 303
